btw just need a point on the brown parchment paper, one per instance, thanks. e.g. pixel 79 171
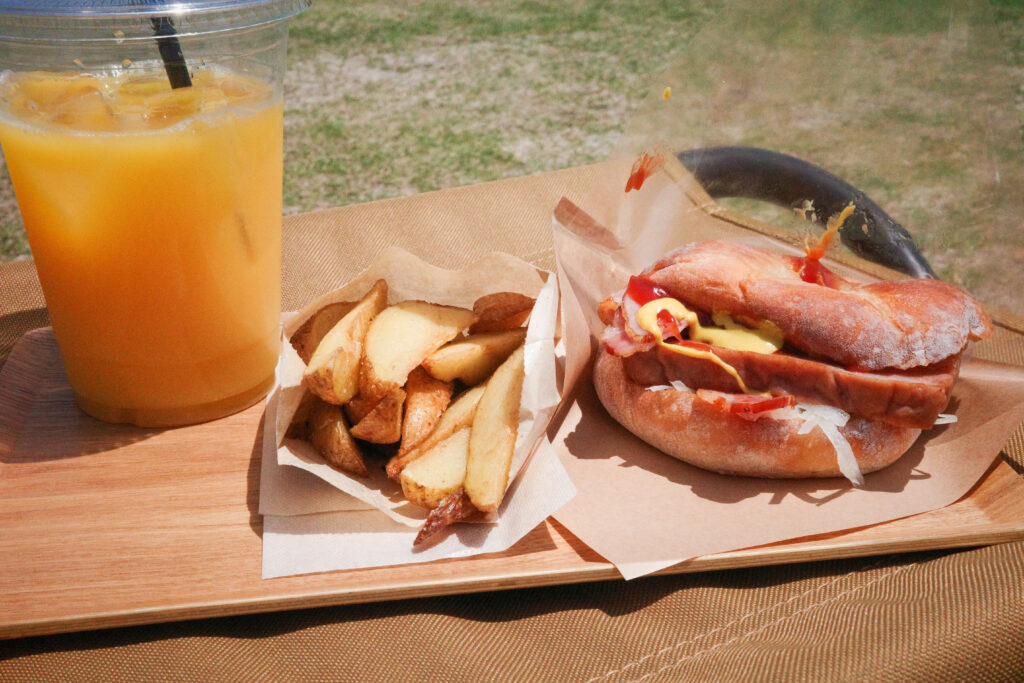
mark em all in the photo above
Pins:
pixel 643 510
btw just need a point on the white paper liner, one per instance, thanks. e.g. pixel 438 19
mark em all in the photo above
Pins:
pixel 329 541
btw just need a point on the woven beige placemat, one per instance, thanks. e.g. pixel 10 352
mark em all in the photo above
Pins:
pixel 21 304
pixel 928 617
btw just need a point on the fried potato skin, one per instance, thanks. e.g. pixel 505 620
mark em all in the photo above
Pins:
pixel 401 337
pixel 382 380
pixel 334 368
pixel 458 415
pixel 311 333
pixel 473 359
pixel 329 434
pixel 438 473
pixel 493 434
pixel 501 311
pixel 425 401
pixel 455 508
pixel 383 424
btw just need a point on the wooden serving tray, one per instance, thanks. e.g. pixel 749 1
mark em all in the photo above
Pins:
pixel 106 525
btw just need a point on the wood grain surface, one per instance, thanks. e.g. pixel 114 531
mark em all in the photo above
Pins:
pixel 105 525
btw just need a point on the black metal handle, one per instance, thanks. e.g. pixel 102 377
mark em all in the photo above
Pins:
pixel 785 180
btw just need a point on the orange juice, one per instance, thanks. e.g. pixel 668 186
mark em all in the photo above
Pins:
pixel 154 217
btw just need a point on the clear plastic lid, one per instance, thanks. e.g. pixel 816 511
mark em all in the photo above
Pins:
pixel 105 20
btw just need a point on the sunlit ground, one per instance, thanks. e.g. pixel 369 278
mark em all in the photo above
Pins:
pixel 917 103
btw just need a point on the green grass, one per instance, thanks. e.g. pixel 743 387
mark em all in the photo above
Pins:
pixel 398 26
pixel 427 95
pixel 917 104
pixel 393 98
pixel 13 242
pixel 910 100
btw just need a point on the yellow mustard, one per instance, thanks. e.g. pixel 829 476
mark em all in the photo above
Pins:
pixel 729 335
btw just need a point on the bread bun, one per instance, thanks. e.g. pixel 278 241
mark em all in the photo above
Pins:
pixel 703 434
pixel 898 324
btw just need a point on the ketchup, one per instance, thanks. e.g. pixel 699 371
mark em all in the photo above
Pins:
pixel 811 270
pixel 809 266
pixel 745 406
pixel 643 291
pixel 669 326
pixel 643 168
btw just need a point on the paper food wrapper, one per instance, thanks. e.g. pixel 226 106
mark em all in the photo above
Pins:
pixel 317 518
pixel 643 510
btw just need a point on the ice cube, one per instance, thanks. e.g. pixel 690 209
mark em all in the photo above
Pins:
pixel 242 89
pixel 84 109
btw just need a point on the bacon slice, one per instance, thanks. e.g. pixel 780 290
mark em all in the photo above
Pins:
pixel 743 405
pixel 912 398
pixel 618 343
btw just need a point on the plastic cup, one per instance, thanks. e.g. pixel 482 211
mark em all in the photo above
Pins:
pixel 153 213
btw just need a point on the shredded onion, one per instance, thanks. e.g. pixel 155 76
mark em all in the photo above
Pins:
pixel 944 419
pixel 826 418
pixel 673 384
pixel 845 458
pixel 786 413
pixel 829 414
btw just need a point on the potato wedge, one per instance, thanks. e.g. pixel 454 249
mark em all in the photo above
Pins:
pixel 383 424
pixel 457 416
pixel 299 426
pixel 438 473
pixel 455 508
pixel 492 437
pixel 333 370
pixel 501 311
pixel 330 436
pixel 426 399
pixel 308 337
pixel 400 337
pixel 359 407
pixel 474 358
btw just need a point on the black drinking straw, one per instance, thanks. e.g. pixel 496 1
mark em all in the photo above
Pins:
pixel 170 52
pixel 170 48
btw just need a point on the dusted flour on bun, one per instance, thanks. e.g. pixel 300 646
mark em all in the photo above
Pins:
pixel 748 362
